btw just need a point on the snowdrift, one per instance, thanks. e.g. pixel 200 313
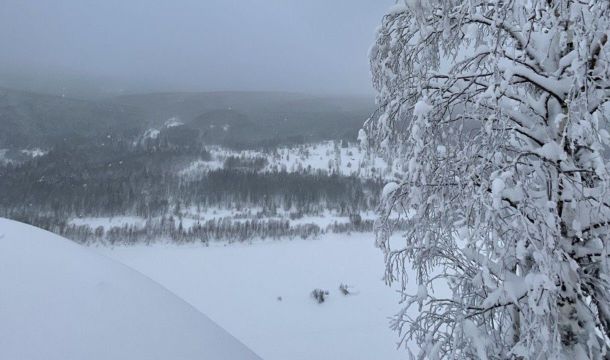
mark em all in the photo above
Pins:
pixel 61 301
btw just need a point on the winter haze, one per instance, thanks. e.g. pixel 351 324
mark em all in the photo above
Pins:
pixel 305 180
pixel 183 180
pixel 188 45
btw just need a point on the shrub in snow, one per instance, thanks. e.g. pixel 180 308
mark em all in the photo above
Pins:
pixel 344 289
pixel 495 115
pixel 319 295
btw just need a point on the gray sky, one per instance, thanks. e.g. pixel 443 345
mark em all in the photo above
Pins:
pixel 316 46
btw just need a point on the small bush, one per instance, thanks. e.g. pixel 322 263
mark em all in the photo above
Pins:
pixel 319 295
pixel 344 289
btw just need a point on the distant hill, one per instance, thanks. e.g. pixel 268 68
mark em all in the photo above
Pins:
pixel 238 119
pixel 246 119
pixel 38 120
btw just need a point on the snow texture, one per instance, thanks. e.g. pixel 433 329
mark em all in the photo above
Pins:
pixel 238 286
pixel 60 301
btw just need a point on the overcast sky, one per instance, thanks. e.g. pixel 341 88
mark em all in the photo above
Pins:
pixel 315 46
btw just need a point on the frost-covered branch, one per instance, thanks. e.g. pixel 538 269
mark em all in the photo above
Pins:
pixel 494 115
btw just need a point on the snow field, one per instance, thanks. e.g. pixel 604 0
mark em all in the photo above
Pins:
pixel 239 286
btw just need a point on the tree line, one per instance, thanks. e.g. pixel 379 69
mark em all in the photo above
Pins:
pixel 115 178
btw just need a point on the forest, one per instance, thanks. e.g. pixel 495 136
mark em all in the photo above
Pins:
pixel 119 177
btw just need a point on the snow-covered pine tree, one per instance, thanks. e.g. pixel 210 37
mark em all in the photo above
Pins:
pixel 495 113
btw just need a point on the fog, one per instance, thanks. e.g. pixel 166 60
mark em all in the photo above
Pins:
pixel 314 46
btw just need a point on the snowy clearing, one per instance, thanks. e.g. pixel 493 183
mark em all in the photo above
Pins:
pixel 260 293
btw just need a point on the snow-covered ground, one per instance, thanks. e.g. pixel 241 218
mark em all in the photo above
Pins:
pixel 109 222
pixel 8 156
pixel 324 156
pixel 34 153
pixel 60 301
pixel 260 293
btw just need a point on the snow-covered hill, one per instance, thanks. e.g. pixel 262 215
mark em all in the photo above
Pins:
pixel 61 301
pixel 327 156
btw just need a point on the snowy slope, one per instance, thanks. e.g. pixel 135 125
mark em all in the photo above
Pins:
pixel 61 301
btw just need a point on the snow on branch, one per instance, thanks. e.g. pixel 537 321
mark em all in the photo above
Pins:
pixel 493 116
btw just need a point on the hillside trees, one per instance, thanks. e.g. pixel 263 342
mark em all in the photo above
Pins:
pixel 496 114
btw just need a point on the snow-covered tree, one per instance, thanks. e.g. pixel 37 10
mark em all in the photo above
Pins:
pixel 337 151
pixel 495 113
